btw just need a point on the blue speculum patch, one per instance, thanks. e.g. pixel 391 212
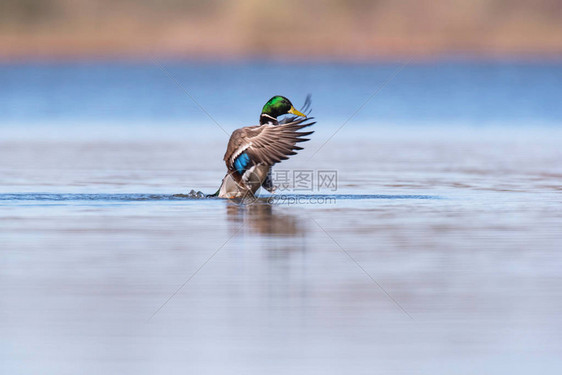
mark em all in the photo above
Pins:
pixel 241 162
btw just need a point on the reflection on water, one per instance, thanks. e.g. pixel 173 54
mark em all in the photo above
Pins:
pixel 263 218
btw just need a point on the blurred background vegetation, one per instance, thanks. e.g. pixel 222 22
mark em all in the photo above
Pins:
pixel 290 29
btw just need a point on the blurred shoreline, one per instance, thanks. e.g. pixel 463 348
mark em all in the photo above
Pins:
pixel 315 30
pixel 53 48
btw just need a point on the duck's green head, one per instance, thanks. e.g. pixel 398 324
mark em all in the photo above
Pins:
pixel 278 106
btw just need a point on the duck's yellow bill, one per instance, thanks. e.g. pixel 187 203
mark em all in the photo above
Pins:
pixel 293 111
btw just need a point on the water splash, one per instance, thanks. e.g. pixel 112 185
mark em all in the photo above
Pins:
pixel 193 195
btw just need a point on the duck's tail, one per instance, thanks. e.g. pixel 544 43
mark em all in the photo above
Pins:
pixel 216 193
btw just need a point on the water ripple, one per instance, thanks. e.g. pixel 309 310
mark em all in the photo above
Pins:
pixel 124 197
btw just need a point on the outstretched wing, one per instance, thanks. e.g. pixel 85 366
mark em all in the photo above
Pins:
pixel 267 144
pixel 305 109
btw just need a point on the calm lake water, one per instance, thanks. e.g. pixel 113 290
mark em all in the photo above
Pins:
pixel 439 251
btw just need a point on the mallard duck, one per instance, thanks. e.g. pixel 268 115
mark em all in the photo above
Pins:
pixel 253 150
